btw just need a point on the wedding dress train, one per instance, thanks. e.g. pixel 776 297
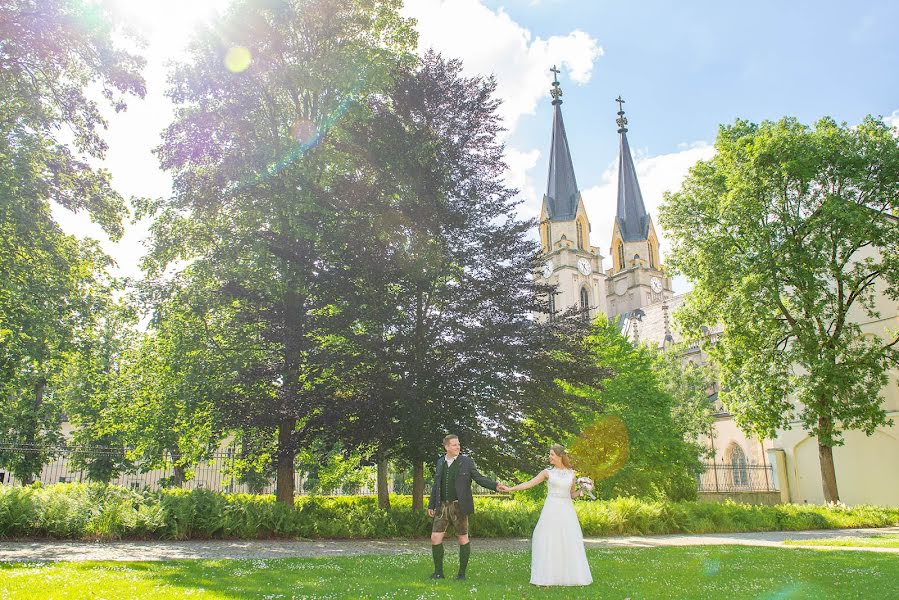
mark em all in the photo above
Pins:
pixel 558 556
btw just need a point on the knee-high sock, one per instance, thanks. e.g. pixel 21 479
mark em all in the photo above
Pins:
pixel 437 553
pixel 464 553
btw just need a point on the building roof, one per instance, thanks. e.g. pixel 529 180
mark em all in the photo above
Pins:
pixel 561 189
pixel 631 216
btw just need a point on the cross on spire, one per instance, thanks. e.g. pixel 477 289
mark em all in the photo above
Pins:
pixel 621 121
pixel 555 91
pixel 555 72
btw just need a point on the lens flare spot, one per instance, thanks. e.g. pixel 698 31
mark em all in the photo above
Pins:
pixel 304 131
pixel 237 59
pixel 601 449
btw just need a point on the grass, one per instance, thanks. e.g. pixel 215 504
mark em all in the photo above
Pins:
pixel 671 572
pixel 874 541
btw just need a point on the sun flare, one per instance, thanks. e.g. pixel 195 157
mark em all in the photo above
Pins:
pixel 168 24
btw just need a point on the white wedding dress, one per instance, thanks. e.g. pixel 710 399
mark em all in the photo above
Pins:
pixel 558 556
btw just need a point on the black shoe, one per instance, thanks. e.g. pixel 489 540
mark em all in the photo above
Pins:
pixel 437 576
pixel 460 577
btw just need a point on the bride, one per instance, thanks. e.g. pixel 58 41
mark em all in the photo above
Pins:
pixel 557 546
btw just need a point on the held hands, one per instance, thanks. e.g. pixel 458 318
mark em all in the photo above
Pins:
pixel 503 488
pixel 431 513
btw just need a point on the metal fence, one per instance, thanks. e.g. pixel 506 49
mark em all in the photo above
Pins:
pixel 218 472
pixel 736 477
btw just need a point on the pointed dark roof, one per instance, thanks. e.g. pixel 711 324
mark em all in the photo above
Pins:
pixel 561 188
pixel 632 218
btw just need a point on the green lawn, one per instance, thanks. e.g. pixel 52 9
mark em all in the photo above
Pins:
pixel 878 541
pixel 729 572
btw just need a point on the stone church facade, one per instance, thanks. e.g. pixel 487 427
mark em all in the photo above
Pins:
pixel 636 291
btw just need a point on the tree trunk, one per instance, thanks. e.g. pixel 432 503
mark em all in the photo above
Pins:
pixel 418 485
pixel 383 492
pixel 828 474
pixel 179 476
pixel 286 456
pixel 39 387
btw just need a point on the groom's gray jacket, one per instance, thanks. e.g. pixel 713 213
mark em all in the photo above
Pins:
pixel 467 472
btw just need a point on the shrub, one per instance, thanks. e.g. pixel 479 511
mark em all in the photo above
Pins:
pixel 98 511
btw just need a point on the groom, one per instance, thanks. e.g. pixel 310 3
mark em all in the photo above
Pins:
pixel 451 502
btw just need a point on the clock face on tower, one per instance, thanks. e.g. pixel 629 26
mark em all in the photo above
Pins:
pixel 584 267
pixel 656 284
pixel 548 269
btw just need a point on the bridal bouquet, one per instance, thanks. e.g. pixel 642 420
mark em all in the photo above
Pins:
pixel 585 486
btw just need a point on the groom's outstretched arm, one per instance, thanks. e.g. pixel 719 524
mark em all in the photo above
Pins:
pixel 482 481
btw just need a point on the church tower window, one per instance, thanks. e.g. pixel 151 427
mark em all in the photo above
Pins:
pixel 585 301
pixel 552 306
pixel 620 256
pixel 580 235
pixel 652 257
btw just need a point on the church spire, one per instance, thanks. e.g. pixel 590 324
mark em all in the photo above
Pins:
pixel 561 189
pixel 633 221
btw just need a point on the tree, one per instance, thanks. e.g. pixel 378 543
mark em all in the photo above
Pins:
pixel 52 51
pixel 635 408
pixel 251 162
pixel 789 235
pixel 192 361
pixel 689 386
pixel 436 332
pixel 87 384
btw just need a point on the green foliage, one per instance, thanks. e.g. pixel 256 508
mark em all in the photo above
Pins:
pixel 53 288
pixel 788 235
pixel 95 511
pixel 689 387
pixel 253 206
pixel 663 459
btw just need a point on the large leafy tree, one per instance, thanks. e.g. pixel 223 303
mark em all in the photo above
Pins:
pixel 437 296
pixel 52 52
pixel 172 383
pixel 87 385
pixel 789 236
pixel 252 196
pixel 638 419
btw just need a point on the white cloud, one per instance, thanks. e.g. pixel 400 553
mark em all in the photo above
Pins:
pixel 492 42
pixel 519 176
pixel 656 174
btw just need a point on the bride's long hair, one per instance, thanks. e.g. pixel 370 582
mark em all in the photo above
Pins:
pixel 559 450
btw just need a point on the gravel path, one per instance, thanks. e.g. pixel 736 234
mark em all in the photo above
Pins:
pixel 220 549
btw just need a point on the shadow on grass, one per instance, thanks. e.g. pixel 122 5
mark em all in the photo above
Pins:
pixel 673 572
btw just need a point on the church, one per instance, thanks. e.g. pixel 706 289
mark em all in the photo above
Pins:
pixel 636 291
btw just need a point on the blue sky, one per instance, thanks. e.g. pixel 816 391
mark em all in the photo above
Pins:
pixel 682 67
pixel 685 67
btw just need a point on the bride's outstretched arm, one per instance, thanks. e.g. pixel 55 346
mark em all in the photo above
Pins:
pixel 540 478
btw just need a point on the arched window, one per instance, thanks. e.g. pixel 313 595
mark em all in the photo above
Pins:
pixel 552 306
pixel 739 472
pixel 580 234
pixel 652 257
pixel 620 256
pixel 547 237
pixel 585 302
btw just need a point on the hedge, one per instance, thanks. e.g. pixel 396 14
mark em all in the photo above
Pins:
pixel 94 511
